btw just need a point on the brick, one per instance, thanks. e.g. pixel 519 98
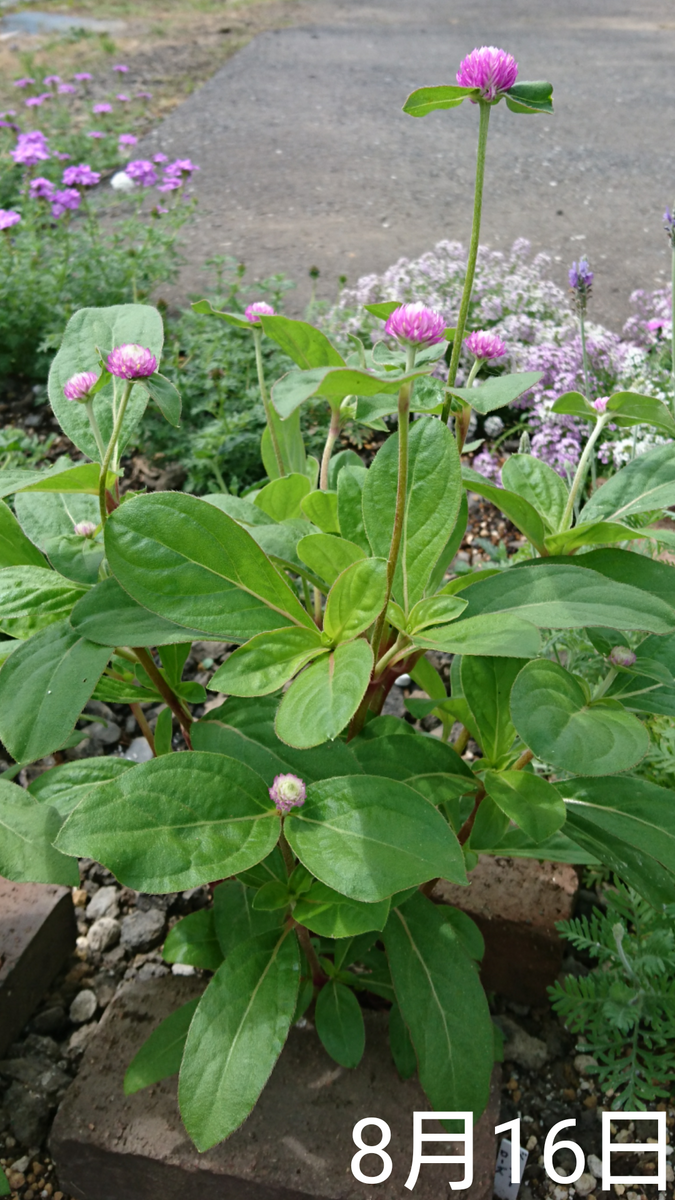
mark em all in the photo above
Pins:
pixel 37 933
pixel 516 902
pixel 296 1143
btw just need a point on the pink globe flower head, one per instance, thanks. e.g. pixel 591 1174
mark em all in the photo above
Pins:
pixel 131 362
pixel 81 176
pixel 600 405
pixel 287 792
pixel 83 77
pixel 490 70
pixel 103 107
pixel 142 172
pixel 259 308
pixel 67 89
pixel 64 201
pixel 622 656
pixel 8 218
pixel 85 529
pixel 78 388
pixel 23 83
pixel 416 325
pixel 41 188
pixel 127 139
pixel 485 345
pixel 120 68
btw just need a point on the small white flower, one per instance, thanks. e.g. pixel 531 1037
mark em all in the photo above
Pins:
pixel 121 182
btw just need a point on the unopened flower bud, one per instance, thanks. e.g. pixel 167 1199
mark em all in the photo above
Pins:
pixel 416 325
pixel 131 362
pixel 600 405
pixel 287 792
pixel 84 529
pixel 622 656
pixel 79 386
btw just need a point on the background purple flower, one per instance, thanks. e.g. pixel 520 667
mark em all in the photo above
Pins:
pixel 22 83
pixel 171 184
pixel 83 77
pixel 96 133
pixel 131 362
pixel 485 345
pixel 491 70
pixel 142 172
pixel 8 218
pixel 121 97
pixel 260 308
pixel 41 188
pixel 36 101
pixel 120 68
pixel 127 139
pixel 416 325
pixel 67 89
pixel 65 200
pixel 79 386
pixel 52 79
pixel 160 158
pixel 181 166
pixel 81 176
pixel 144 95
pixel 30 149
pixel 102 107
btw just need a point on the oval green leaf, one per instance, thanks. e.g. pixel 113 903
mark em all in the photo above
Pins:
pixel 535 805
pixel 339 1024
pixel 321 701
pixel 355 599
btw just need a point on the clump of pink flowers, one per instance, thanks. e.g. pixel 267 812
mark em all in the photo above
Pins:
pixel 416 325
pixel 31 148
pixel 490 70
pixel 81 176
pixel 287 792
pixel 8 218
pixel 131 361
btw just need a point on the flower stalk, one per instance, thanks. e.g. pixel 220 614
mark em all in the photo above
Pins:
pixel 267 404
pixel 111 448
pixel 580 473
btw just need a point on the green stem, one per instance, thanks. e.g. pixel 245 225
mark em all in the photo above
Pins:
pixel 672 318
pixel 463 418
pixel 605 683
pixel 267 405
pixel 331 439
pixel 114 437
pixel 473 252
pixel 580 474
pixel 584 355
pixel 401 642
pixel 89 409
pixel 166 692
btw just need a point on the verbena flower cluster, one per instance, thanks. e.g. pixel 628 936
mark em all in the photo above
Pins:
pixel 536 322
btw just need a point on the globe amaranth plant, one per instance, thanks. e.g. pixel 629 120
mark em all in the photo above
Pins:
pixel 327 823
pixel 624 1008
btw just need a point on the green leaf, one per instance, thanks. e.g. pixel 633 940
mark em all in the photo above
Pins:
pixel 526 97
pixel 15 548
pixel 192 564
pixel 645 484
pixel 165 396
pixel 31 598
pixel 433 495
pixel 539 484
pixel 631 408
pixel 489 827
pixel 235 918
pixel 436 610
pixel 497 391
pixel 322 509
pixel 505 634
pixel 175 822
pixel 83 479
pixel 281 498
pixel 88 332
pixel 486 684
pixel 355 599
pixel 326 912
pixel 328 556
pixel 272 896
pixel 535 805
pixel 109 616
pixel 443 1005
pixel 205 307
pixel 343 458
pixel 467 931
pixel 267 662
pixel 291 446
pixel 237 1035
pixel 402 1049
pixel 64 786
pixel 27 830
pixel 163 732
pixel 193 940
pixel 368 837
pixel 307 346
pixel 575 405
pixel 427 677
pixel 334 383
pixel 518 510
pixel 552 716
pixel 160 1056
pixel 48 516
pixel 451 547
pixel 418 755
pixel 429 99
pixel 350 508
pixel 5 1189
pixel 590 534
pixel 243 511
pixel 384 309
pixel 321 701
pixel 44 686
pixel 650 577
pixel 279 542
pixel 339 1024
pixel 556 596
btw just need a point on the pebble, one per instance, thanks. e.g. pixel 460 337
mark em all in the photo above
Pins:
pixel 108 734
pixel 50 1020
pixel 83 1007
pixel 594 1165
pixel 585 1184
pixel 138 751
pixel 80 1038
pixel 520 1047
pixel 582 1062
pixel 20 1164
pixel 143 930
pixel 104 904
pixel 104 934
pixel 182 969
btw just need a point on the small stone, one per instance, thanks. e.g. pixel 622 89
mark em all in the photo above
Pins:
pixel 559 1193
pixel 594 1165
pixel 83 1007
pixel 151 970
pixel 16 1179
pixel 80 1038
pixel 104 904
pixel 670 1174
pixel 104 933
pixel 585 1184
pixel 53 1081
pixel 182 969
pixel 50 1020
pixel 29 1114
pixel 107 735
pixel 531 1143
pixel 582 1062
pixel 143 930
pixel 138 751
pixel 81 948
pixel 20 1165
pixel 619 1188
pixel 80 897
pixel 520 1047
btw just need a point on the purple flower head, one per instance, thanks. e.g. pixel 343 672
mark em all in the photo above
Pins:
pixel 600 405
pixel 8 218
pixel 30 149
pixel 35 101
pixel 22 83
pixel 621 656
pixel 131 362
pixel 82 77
pixel 260 308
pixel 124 99
pixel 66 200
pixel 67 89
pixel 81 176
pixel 181 166
pixel 103 107
pixel 127 139
pixel 96 133
pixel 84 529
pixel 287 792
pixel 52 79
pixel 41 188
pixel 160 158
pixel 416 325
pixel 491 70
pixel 669 225
pixel 171 183
pixel 144 95
pixel 485 345
pixel 61 156
pixel 120 67
pixel 142 172
pixel 79 386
